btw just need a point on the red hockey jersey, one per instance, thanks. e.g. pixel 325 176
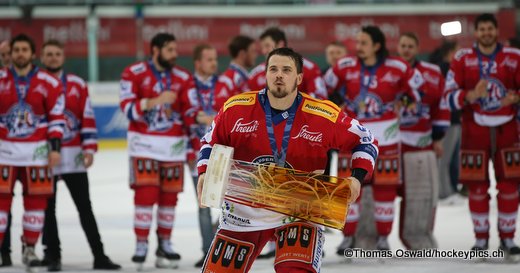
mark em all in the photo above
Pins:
pixel 371 93
pixel 80 135
pixel 158 133
pixel 501 69
pixel 233 81
pixel 317 127
pixel 31 112
pixel 312 83
pixel 430 114
pixel 205 97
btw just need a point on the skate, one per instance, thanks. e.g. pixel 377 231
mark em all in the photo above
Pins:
pixel 29 259
pixel 139 257
pixel 166 257
pixel 382 243
pixel 511 250
pixel 480 245
pixel 347 243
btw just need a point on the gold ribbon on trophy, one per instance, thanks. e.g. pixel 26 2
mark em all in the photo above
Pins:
pixel 314 197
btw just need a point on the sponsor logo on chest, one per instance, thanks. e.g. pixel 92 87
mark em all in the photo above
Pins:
pixel 309 135
pixel 241 127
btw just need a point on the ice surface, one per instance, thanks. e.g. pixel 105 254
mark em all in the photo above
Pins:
pixel 113 206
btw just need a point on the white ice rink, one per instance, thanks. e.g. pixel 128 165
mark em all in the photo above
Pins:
pixel 113 207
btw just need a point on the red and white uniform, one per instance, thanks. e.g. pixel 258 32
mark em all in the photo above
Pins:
pixel 370 96
pixel 318 126
pixel 233 81
pixel 430 114
pixel 80 135
pixel 504 76
pixel 209 99
pixel 312 83
pixel 26 127
pixel 489 131
pixel 155 133
pixel 375 108
pixel 31 113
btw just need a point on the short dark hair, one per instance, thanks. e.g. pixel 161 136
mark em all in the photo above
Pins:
pixel 239 43
pixel 53 42
pixel 410 35
pixel 377 36
pixel 197 51
pixel 288 52
pixel 276 34
pixel 161 39
pixel 24 38
pixel 486 17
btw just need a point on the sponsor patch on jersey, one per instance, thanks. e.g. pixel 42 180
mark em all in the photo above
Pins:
pixel 243 99
pixel 320 109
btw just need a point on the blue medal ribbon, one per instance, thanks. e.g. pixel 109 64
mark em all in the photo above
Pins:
pixel 240 71
pixel 363 91
pixel 289 114
pixel 26 80
pixel 206 107
pixel 159 76
pixel 64 83
pixel 485 74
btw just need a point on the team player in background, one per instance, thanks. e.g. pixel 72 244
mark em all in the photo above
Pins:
pixel 422 130
pixel 373 82
pixel 154 97
pixel 483 82
pixel 208 102
pixel 77 154
pixel 5 54
pixel 272 126
pixel 333 52
pixel 312 82
pixel 5 249
pixel 31 129
pixel 233 81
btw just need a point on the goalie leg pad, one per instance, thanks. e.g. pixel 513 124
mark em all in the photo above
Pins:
pixel 366 232
pixel 418 206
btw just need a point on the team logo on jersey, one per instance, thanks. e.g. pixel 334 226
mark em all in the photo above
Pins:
pixel 158 119
pixel 369 106
pixel 496 91
pixel 72 126
pixel 411 114
pixel 21 121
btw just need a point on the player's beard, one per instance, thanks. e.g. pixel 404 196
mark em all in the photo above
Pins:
pixel 21 63
pixel 53 69
pixel 487 42
pixel 281 92
pixel 164 63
